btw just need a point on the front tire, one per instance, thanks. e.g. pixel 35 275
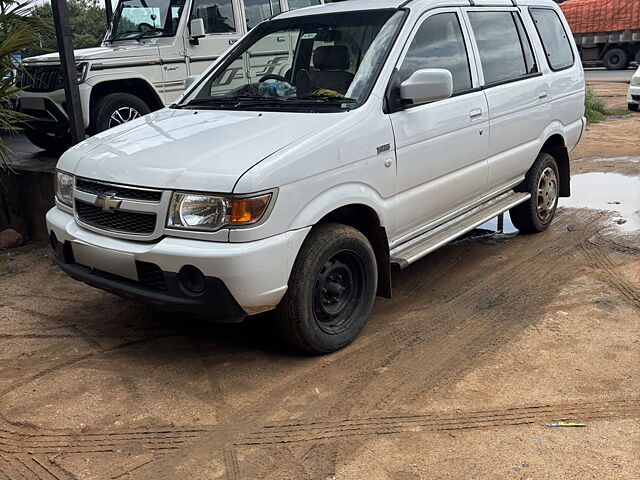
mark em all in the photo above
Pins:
pixel 48 141
pixel 115 109
pixel 542 181
pixel 331 290
pixel 615 59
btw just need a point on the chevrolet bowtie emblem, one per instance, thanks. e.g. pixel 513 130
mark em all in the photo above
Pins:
pixel 108 201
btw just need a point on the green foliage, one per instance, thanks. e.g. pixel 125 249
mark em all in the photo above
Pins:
pixel 88 24
pixel 18 32
pixel 595 109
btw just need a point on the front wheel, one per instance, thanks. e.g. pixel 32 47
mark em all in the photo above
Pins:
pixel 48 141
pixel 115 109
pixel 542 181
pixel 331 290
pixel 615 59
pixel 634 107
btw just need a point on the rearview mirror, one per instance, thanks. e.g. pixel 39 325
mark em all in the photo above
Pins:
pixel 427 85
pixel 190 80
pixel 197 28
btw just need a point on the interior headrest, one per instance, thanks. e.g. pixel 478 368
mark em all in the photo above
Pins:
pixel 332 57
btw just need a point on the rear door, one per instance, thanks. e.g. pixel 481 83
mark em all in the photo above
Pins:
pixel 517 93
pixel 441 147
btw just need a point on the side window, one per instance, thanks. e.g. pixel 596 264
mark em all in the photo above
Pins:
pixel 295 4
pixel 439 43
pixel 217 15
pixel 554 38
pixel 505 50
pixel 256 11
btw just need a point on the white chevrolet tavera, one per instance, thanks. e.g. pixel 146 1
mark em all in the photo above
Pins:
pixel 397 128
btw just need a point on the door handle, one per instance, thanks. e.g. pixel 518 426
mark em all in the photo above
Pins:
pixel 543 95
pixel 475 113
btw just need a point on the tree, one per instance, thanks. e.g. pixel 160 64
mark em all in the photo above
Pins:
pixel 87 19
pixel 18 32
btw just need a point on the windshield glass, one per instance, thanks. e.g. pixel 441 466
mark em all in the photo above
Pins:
pixel 312 62
pixel 135 19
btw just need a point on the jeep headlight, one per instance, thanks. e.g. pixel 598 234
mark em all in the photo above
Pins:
pixel 82 69
pixel 64 188
pixel 196 211
pixel 635 81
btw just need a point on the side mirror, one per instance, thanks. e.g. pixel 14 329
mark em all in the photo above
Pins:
pixel 427 85
pixel 197 30
pixel 190 80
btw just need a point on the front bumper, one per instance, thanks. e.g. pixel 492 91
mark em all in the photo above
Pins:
pixel 47 109
pixel 633 96
pixel 241 278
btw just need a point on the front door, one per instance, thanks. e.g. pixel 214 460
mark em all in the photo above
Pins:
pixel 441 147
pixel 223 24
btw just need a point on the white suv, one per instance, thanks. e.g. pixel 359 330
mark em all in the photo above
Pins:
pixel 398 127
pixel 633 96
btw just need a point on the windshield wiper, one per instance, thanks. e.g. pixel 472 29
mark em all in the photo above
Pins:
pixel 154 30
pixel 115 36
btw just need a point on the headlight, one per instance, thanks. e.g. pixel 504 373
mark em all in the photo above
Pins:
pixel 194 211
pixel 635 81
pixel 64 188
pixel 82 69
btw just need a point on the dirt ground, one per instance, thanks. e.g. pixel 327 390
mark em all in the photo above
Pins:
pixel 484 342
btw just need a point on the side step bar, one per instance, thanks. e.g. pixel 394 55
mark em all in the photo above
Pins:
pixel 416 248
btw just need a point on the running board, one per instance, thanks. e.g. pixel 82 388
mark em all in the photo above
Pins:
pixel 416 248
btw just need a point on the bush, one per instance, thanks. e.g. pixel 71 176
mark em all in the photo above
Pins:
pixel 595 109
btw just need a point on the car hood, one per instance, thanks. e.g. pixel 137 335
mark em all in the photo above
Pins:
pixel 101 53
pixel 200 150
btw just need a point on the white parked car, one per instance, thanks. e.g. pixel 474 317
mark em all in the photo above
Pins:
pixel 399 127
pixel 633 96
pixel 150 49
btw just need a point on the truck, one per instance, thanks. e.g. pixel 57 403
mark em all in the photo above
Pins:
pixel 150 49
pixel 607 32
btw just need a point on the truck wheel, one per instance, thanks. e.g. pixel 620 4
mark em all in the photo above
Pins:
pixel 637 58
pixel 541 181
pixel 48 141
pixel 115 109
pixel 615 59
pixel 331 290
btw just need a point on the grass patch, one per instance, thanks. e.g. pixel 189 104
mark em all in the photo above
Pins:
pixel 595 109
pixel 6 266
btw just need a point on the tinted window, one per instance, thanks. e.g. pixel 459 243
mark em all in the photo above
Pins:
pixel 505 51
pixel 554 38
pixel 439 44
pixel 217 15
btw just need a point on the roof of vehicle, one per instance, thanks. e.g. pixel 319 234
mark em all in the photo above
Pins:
pixel 359 5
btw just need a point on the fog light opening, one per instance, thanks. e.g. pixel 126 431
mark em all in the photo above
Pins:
pixel 192 279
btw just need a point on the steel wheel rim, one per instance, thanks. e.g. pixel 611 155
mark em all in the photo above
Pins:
pixel 547 193
pixel 338 291
pixel 123 115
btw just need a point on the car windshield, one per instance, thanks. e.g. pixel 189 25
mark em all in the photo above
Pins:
pixel 136 19
pixel 315 62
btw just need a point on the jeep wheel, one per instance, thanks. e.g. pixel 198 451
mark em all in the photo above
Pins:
pixel 48 141
pixel 115 109
pixel 331 290
pixel 542 181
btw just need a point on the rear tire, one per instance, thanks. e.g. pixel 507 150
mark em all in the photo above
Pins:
pixel 615 59
pixel 48 141
pixel 633 107
pixel 331 290
pixel 542 181
pixel 115 109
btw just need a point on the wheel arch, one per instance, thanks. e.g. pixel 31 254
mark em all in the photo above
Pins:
pixel 366 220
pixel 555 146
pixel 135 86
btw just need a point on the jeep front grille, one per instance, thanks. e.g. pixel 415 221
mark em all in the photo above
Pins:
pixel 130 193
pixel 45 78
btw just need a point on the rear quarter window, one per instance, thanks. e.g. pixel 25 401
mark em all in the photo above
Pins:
pixel 554 38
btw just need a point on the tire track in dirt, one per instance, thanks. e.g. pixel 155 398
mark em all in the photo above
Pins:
pixel 321 430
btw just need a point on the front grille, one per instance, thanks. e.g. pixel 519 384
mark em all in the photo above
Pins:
pixel 45 78
pixel 636 97
pixel 130 193
pixel 150 275
pixel 116 220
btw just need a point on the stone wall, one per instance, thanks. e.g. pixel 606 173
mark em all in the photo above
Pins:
pixel 25 197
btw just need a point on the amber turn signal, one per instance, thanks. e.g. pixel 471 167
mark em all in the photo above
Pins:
pixel 248 210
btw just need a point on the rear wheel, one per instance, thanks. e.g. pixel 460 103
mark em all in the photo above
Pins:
pixel 615 59
pixel 115 109
pixel 331 290
pixel 542 181
pixel 48 141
